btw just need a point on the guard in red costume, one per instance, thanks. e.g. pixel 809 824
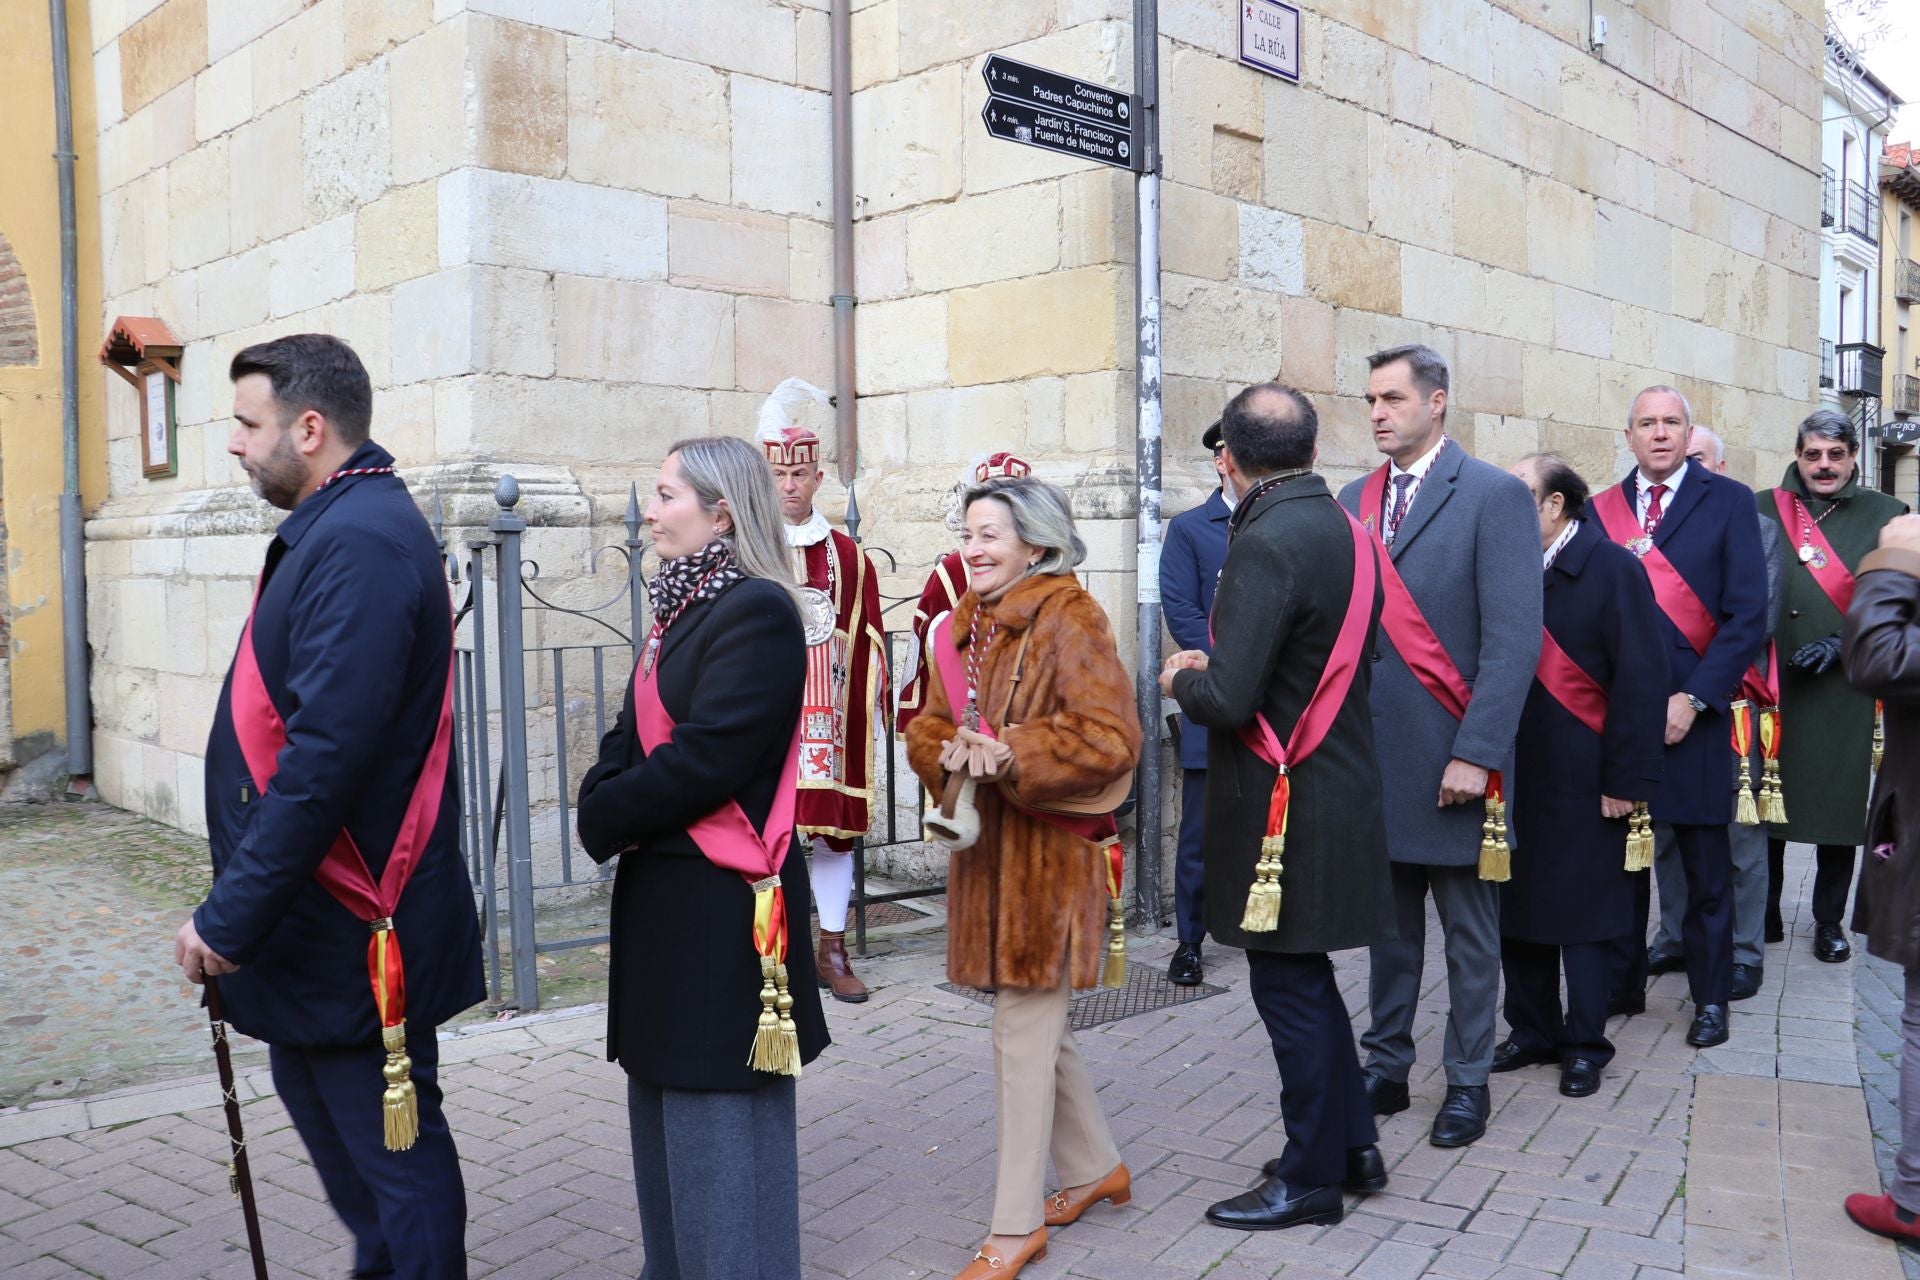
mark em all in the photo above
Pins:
pixel 333 816
pixel 945 585
pixel 846 678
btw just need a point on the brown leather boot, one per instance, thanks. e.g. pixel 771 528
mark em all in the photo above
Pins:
pixel 835 974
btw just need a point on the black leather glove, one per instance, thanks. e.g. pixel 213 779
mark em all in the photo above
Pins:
pixel 1816 656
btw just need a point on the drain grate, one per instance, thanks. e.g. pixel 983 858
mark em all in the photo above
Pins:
pixel 1147 989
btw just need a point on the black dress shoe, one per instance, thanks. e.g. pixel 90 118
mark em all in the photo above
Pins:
pixel 1185 970
pixel 1579 1077
pixel 1659 962
pixel 1462 1118
pixel 1709 1027
pixel 1624 1005
pixel 1830 943
pixel 1274 1205
pixel 1746 981
pixel 1386 1097
pixel 1366 1171
pixel 1508 1056
pixel 1776 931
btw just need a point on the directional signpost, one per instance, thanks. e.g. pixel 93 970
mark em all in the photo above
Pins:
pixel 1045 109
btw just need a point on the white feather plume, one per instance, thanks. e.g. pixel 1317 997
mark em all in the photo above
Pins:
pixel 776 414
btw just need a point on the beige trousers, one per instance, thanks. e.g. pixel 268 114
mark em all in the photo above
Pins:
pixel 1047 1104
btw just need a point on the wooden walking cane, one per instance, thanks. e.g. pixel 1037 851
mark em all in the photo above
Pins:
pixel 239 1178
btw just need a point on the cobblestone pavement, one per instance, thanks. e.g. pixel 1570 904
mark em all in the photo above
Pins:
pixel 1880 991
pixel 897 1144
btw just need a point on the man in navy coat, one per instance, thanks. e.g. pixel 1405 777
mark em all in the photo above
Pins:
pixel 1190 560
pixel 1706 528
pixel 353 638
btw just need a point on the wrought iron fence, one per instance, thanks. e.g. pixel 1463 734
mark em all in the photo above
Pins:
pixel 517 751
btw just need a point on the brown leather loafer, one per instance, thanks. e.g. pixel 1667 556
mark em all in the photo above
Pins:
pixel 1116 1187
pixel 835 972
pixel 987 1264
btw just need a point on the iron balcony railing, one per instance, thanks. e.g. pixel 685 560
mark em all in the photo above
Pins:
pixel 1859 369
pixel 1828 200
pixel 1861 213
pixel 1906 280
pixel 1826 364
pixel 1906 394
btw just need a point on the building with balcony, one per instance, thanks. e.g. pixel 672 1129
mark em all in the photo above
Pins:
pixel 1857 109
pixel 1899 296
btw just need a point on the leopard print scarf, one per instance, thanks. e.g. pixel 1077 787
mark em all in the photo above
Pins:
pixel 700 576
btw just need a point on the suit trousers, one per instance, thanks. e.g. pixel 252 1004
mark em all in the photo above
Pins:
pixel 1748 845
pixel 1323 1096
pixel 1905 1186
pixel 1534 1015
pixel 1189 873
pixel 1832 879
pixel 406 1210
pixel 1469 910
pixel 1706 927
pixel 717 1174
pixel 1046 1105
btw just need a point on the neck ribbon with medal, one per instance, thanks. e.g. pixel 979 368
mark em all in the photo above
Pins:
pixel 1809 554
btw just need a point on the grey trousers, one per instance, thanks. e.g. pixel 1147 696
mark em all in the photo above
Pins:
pixel 718 1177
pixel 1749 846
pixel 1469 910
pixel 1905 1188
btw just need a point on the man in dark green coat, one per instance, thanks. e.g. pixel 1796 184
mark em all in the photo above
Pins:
pixel 1828 524
pixel 1284 595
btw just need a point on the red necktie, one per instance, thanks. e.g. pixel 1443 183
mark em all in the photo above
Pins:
pixel 1653 508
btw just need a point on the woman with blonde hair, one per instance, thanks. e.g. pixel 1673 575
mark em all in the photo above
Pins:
pixel 1029 700
pixel 710 1010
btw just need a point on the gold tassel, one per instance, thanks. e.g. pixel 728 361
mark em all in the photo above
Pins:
pixel 1639 839
pixel 776 1041
pixel 1263 899
pixel 401 1104
pixel 1773 797
pixel 1115 974
pixel 1879 736
pixel 789 1048
pixel 1496 860
pixel 1745 812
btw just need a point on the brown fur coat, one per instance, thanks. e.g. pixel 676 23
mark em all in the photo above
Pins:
pixel 1029 897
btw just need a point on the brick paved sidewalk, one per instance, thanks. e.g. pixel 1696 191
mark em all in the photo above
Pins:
pixel 897 1146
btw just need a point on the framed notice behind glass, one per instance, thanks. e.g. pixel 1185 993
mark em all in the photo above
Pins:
pixel 157 451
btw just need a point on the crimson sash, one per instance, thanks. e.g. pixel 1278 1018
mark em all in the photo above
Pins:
pixel 1827 568
pixel 1670 591
pixel 1570 686
pixel 1406 626
pixel 344 873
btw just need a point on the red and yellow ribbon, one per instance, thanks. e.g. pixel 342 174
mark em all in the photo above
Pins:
pixel 1115 973
pixel 1744 810
pixel 1773 801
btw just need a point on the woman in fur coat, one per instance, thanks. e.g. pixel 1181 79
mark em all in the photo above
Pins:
pixel 1027 903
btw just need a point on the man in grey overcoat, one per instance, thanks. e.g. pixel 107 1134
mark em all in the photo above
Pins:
pixel 1285 591
pixel 1464 537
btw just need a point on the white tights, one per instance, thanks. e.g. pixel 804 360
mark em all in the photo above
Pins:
pixel 832 885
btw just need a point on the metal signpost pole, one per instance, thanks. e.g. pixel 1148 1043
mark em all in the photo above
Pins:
pixel 1146 88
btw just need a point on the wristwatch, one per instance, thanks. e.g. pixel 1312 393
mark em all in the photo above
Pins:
pixel 1698 705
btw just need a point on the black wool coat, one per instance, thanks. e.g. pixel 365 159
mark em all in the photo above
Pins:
pixel 1881 641
pixel 1282 597
pixel 684 997
pixel 1569 879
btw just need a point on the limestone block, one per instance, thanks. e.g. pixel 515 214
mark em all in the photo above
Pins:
pixel 1582 322
pixel 1560 232
pixel 1199 23
pixel 347 141
pixel 1601 100
pixel 1059 323
pixel 172 114
pixel 737 250
pixel 1219 331
pixel 134 229
pixel 1583 160
pixel 1200 232
pixel 1096 218
pixel 880 257
pixel 1487 374
pixel 633 332
pixel 266 194
pixel 1347 451
pixel 1793 374
pixel 433 326
pixel 223 96
pixel 403 422
pixel 945 424
pixel 932 32
pixel 374 26
pixel 1560 385
pixel 1316 158
pixel 1203 100
pixel 191 786
pixel 876 44
pixel 902 343
pixel 520 91
pixel 1350 269
pixel 397 236
pixel 1306 344
pixel 753 36
pixel 883 436
pixel 1528 65
pixel 776 339
pixel 1455 105
pixel 185 651
pixel 125 151
pixel 782 140
pixel 197 200
pixel 1635 179
pixel 1457 38
pixel 513 322
pixel 809 260
pixel 1518 306
pixel 1272 249
pixel 299 54
pixel 1410 185
pixel 1099 409
pixel 636 119
pixel 1632 258
pixel 162 49
pixel 1353 67
pixel 1503 440
pixel 1410 89
pixel 195 398
pixel 427 79
pixel 1635 335
pixel 625 424
pixel 311 267
pixel 893 168
pixel 1443 289
pixel 581 17
pixel 233 292
pixel 994 236
pixel 233 23
pixel 176 297
pixel 1490 222
pixel 511 220
pixel 107 107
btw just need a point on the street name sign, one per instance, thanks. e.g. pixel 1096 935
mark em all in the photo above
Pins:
pixel 1041 108
pixel 1270 38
